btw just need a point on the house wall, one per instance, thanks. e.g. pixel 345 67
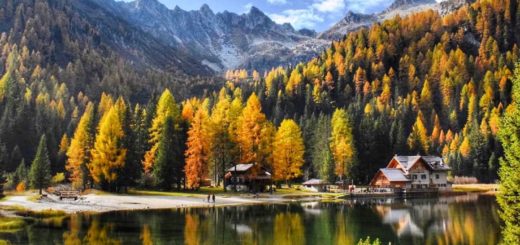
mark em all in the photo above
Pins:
pixel 420 174
pixel 380 180
pixel 442 181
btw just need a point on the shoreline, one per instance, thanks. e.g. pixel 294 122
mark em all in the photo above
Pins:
pixel 94 203
pixel 152 200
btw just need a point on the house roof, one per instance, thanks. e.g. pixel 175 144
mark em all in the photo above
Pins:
pixel 315 182
pixel 394 174
pixel 240 167
pixel 434 162
pixel 407 161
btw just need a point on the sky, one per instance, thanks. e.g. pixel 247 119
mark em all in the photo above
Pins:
pixel 317 15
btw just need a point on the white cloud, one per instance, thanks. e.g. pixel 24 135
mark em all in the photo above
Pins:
pixel 367 6
pixel 277 2
pixel 298 18
pixel 248 7
pixel 329 6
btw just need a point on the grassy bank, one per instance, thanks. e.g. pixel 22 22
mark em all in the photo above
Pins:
pixel 475 188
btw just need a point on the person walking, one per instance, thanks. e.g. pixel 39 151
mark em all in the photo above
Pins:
pixel 213 198
pixel 209 197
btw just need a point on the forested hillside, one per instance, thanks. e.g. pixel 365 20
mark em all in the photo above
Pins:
pixel 56 56
pixel 422 84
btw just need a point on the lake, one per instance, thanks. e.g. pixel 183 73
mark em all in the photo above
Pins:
pixel 467 219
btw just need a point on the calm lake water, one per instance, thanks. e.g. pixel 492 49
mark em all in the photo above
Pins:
pixel 468 219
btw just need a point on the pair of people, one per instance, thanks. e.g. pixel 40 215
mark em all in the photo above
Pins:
pixel 211 198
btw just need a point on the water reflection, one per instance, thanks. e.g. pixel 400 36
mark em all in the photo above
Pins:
pixel 451 220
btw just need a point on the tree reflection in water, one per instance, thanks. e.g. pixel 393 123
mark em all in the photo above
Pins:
pixel 452 220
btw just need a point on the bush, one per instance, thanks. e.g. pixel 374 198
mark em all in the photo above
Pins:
pixel 20 187
pixel 367 241
pixel 11 223
pixel 58 178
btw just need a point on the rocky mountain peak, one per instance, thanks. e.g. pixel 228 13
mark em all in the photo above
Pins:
pixel 352 17
pixel 141 4
pixel 206 10
pixel 398 4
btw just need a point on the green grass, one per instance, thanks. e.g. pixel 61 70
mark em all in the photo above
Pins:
pixel 24 212
pixel 8 223
pixel 49 213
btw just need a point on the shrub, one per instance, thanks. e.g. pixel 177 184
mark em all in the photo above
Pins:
pixel 58 178
pixel 367 241
pixel 20 187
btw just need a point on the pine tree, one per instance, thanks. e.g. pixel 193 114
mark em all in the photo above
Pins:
pixel 509 135
pixel 166 107
pixel 288 150
pixel 21 173
pixel 322 161
pixel 40 172
pixel 79 150
pixel 164 162
pixel 221 142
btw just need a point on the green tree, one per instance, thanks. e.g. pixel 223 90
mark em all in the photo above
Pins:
pixel 164 162
pixel 509 135
pixel 40 173
pixel 166 107
pixel 322 161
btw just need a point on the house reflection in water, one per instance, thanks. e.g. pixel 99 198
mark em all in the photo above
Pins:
pixel 401 221
pixel 425 221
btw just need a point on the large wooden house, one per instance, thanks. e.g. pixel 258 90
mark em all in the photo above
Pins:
pixel 413 172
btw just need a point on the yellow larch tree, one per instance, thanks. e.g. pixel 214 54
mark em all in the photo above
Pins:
pixel 418 138
pixel 108 155
pixel 288 150
pixel 342 143
pixel 198 150
pixel 252 131
pixel 78 153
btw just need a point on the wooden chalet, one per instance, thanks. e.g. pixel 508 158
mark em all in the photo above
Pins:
pixel 413 172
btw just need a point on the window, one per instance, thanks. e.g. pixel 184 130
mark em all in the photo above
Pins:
pixel 437 176
pixel 414 176
pixel 423 176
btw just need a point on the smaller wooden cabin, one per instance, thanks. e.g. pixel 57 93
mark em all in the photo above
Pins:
pixel 247 178
pixel 316 185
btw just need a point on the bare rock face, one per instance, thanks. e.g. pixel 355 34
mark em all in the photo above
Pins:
pixel 221 41
pixel 354 21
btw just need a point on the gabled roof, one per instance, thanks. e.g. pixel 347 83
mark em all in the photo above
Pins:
pixel 240 167
pixel 433 162
pixel 394 174
pixel 407 161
